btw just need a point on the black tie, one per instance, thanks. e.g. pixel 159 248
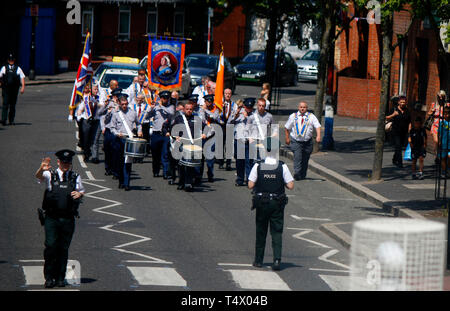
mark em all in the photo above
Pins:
pixel 64 177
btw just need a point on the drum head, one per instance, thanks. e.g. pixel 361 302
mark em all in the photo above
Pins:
pixel 193 148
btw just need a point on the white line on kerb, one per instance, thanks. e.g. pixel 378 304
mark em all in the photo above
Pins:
pixel 80 158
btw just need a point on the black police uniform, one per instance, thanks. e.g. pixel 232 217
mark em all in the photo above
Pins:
pixel 10 84
pixel 269 199
pixel 60 212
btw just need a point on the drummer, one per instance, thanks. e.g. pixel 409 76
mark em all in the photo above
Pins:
pixel 160 138
pixel 187 120
pixel 173 162
pixel 141 108
pixel 122 124
pixel 258 125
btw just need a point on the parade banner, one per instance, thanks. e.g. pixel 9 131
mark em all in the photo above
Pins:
pixel 165 63
pixel 84 73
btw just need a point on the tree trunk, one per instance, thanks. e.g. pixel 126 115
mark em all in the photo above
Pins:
pixel 325 47
pixel 270 48
pixel 386 29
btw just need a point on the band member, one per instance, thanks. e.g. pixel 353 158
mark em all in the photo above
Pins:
pixel 190 133
pixel 210 114
pixel 229 108
pixel 150 99
pixel 112 106
pixel 141 108
pixel 201 90
pixel 173 162
pixel 259 126
pixel 136 87
pixel 122 124
pixel 61 200
pixel 241 144
pixel 81 121
pixel 161 114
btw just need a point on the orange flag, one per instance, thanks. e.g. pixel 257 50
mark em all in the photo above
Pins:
pixel 218 96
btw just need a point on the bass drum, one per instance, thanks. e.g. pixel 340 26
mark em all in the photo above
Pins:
pixel 135 147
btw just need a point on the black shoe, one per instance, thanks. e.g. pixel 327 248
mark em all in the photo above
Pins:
pixel 95 160
pixel 3 123
pixel 257 264
pixel 228 168
pixel 49 283
pixel 108 173
pixel 188 188
pixel 276 265
pixel 12 123
pixel 127 188
pixel 115 177
pixel 167 176
pixel 180 187
pixel 210 179
pixel 171 182
pixel 238 184
pixel 61 283
pixel 155 174
pixel 197 181
pixel 121 186
pixel 221 166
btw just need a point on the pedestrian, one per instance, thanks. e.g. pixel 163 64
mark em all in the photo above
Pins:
pixel 12 79
pixel 442 140
pixel 228 109
pixel 299 137
pixel 401 123
pixel 239 120
pixel 268 181
pixel 265 92
pixel 418 142
pixel 161 114
pixel 62 197
pixel 122 124
pixel 436 110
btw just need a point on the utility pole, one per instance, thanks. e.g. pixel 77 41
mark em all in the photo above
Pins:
pixel 34 13
pixel 210 15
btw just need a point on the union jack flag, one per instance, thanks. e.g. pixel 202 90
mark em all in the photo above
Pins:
pixel 84 73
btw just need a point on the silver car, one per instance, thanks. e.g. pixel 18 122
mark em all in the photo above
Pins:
pixel 186 88
pixel 307 66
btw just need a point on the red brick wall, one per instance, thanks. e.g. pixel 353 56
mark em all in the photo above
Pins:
pixel 228 33
pixel 359 98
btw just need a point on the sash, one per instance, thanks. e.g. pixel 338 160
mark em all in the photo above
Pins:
pixel 259 125
pixel 135 90
pixel 129 132
pixel 301 129
pixel 187 128
pixel 226 115
pixel 87 106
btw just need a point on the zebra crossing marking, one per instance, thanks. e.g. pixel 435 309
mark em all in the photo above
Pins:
pixel 158 276
pixel 258 280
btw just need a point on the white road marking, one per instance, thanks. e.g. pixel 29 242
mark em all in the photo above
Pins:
pixel 341 199
pixel 330 253
pixel 306 231
pixel 89 175
pixel 328 270
pixel 310 218
pixel 235 264
pixel 336 282
pixel 34 275
pixel 258 280
pixel 80 158
pixel 419 186
pixel 157 276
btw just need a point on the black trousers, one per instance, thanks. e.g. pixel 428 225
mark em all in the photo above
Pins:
pixel 9 103
pixel 187 175
pixel 88 131
pixel 399 141
pixel 58 235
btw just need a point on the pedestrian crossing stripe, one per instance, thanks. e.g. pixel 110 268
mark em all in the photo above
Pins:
pixel 258 280
pixel 157 276
pixel 34 275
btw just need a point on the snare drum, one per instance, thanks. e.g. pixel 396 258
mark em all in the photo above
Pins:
pixel 192 156
pixel 135 147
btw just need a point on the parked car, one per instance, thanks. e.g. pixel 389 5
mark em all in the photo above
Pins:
pixel 186 87
pixel 308 65
pixel 206 65
pixel 117 63
pixel 123 76
pixel 252 68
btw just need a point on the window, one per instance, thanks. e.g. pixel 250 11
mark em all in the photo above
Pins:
pixel 124 24
pixel 87 22
pixel 152 22
pixel 178 23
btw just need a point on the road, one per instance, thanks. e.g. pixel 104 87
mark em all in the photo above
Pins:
pixel 155 237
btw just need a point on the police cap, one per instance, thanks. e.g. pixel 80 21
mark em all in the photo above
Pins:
pixel 11 56
pixel 122 95
pixel 193 98
pixel 249 102
pixel 164 94
pixel 65 155
pixel 116 92
pixel 209 98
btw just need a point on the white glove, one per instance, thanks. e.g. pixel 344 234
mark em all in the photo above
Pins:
pixel 70 118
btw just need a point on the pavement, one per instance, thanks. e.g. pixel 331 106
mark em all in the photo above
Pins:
pixel 349 165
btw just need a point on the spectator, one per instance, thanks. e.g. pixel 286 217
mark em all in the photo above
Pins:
pixel 442 137
pixel 436 110
pixel 265 92
pixel 401 122
pixel 418 143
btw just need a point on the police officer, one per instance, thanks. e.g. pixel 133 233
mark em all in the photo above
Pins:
pixel 161 115
pixel 62 197
pixel 11 79
pixel 268 180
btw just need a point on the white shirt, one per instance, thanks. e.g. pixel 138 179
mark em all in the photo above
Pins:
pixel 287 176
pixel 132 91
pixel 19 72
pixel 313 124
pixel 48 180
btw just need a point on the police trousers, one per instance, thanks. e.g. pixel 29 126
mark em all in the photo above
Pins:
pixel 9 103
pixel 270 213
pixel 58 235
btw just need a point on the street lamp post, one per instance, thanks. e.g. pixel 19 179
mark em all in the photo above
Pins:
pixel 34 16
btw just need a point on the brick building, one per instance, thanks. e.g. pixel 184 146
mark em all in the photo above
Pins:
pixel 414 70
